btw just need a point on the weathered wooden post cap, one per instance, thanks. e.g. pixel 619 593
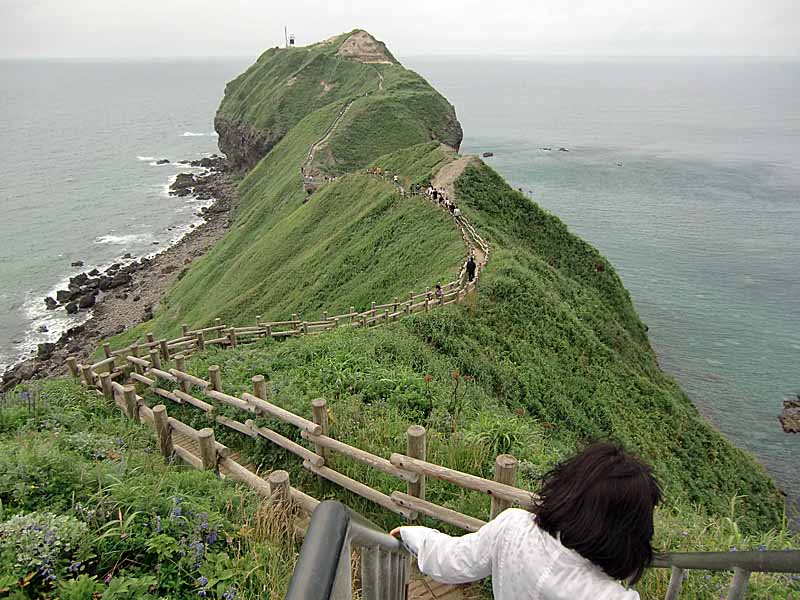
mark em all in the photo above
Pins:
pixel 506 461
pixel 416 431
pixel 278 477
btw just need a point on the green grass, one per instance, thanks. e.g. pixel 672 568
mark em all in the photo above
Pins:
pixel 286 85
pixel 128 525
pixel 547 354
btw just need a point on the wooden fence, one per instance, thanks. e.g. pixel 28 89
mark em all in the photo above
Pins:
pixel 411 469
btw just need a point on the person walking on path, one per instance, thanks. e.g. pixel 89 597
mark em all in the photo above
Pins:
pixel 590 528
pixel 438 293
pixel 456 211
pixel 471 267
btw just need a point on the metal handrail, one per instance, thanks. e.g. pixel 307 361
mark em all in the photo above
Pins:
pixel 741 563
pixel 323 570
pixel 768 561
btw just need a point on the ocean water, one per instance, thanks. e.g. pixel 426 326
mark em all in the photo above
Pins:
pixel 684 173
pixel 77 173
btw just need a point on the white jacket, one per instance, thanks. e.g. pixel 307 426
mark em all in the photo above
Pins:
pixel 525 562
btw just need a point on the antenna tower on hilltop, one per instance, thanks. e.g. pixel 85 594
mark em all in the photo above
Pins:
pixel 286 35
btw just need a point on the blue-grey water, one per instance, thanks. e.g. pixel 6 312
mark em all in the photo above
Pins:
pixel 684 173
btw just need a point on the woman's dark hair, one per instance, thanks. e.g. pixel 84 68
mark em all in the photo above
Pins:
pixel 600 502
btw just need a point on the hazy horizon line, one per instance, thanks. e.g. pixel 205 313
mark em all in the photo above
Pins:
pixel 442 55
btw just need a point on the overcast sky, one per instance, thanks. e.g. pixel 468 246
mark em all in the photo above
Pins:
pixel 163 28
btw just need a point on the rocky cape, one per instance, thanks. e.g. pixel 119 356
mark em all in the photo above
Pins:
pixel 126 293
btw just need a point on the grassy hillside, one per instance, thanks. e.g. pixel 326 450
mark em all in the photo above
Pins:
pixel 547 353
pixel 355 241
pixel 287 84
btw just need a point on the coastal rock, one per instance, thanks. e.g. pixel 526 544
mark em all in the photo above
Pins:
pixel 183 185
pixel 63 296
pixel 79 279
pixel 86 301
pixel 790 417
pixel 162 161
pixel 94 273
pixel 119 280
pixel 45 350
pixel 563 150
pixel 77 263
pixel 127 255
pixel 42 329
pixel 51 304
pixel 71 308
pixel 487 154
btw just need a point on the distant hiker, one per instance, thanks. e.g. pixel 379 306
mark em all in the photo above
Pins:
pixel 435 195
pixel 439 293
pixel 471 266
pixel 590 528
pixel 396 179
pixel 456 211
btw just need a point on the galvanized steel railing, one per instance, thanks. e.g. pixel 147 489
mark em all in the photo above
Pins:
pixel 741 563
pixel 324 568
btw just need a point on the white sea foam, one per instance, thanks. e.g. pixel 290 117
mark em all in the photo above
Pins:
pixel 146 158
pixel 123 240
pixel 193 134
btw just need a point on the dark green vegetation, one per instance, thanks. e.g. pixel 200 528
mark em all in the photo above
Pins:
pixel 548 353
pixel 88 509
pixel 392 104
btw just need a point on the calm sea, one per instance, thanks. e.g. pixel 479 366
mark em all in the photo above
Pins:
pixel 684 173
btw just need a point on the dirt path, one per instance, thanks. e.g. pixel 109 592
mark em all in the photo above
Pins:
pixel 445 179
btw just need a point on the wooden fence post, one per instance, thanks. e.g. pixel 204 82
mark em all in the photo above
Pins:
pixel 505 471
pixel 304 327
pixel 217 322
pixel 386 316
pixel 278 482
pixel 319 411
pixel 372 308
pixel 131 404
pixel 427 303
pixel 155 358
pixel 294 317
pixel 184 329
pixel 324 315
pixel 163 431
pixel 180 365
pixel 208 449
pixel 135 354
pixel 105 382
pixel 107 350
pixel 417 448
pixel 363 321
pixel 88 377
pixel 396 304
pixel 72 363
pixel 258 320
pixel 150 338
pixel 164 350
pixel 201 340
pixel 352 311
pixel 232 337
pixel 411 297
pixel 215 378
pixel 259 387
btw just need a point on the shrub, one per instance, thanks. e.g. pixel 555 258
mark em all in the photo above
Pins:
pixel 39 549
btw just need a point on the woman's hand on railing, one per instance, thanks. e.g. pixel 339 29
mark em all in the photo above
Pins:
pixel 395 533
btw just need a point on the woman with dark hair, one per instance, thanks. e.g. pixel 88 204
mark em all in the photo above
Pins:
pixel 591 527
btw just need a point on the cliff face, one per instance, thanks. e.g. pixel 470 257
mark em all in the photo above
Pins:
pixel 286 85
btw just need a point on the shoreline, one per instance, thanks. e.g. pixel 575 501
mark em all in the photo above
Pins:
pixel 149 279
